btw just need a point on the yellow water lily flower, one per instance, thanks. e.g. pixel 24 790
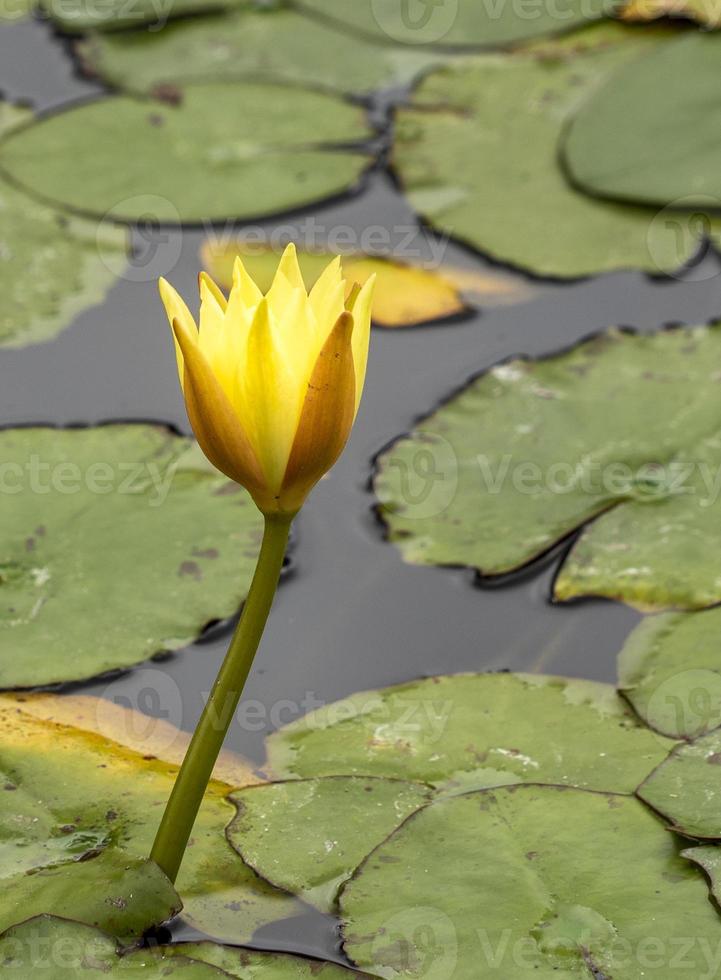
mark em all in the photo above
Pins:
pixel 272 383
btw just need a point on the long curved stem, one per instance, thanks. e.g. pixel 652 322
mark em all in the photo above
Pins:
pixel 187 795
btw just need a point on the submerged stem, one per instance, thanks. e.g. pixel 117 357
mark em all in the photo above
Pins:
pixel 187 795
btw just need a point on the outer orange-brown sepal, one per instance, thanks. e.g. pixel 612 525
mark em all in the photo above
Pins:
pixel 326 417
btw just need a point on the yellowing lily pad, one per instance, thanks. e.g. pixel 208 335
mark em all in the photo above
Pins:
pixel 468 731
pixel 404 295
pixel 706 12
pixel 530 881
pixel 616 439
pixel 670 671
pixel 307 836
pixel 72 793
pixel 642 136
pixel 116 542
pixel 477 152
pixel 277 44
pixel 51 267
pixel 686 787
pixel 223 150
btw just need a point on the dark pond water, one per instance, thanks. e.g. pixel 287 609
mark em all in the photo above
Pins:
pixel 352 615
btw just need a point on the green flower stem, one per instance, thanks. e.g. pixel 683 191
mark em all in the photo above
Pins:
pixel 207 741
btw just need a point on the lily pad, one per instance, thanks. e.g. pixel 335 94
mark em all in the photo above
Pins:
pixel 617 437
pixel 404 295
pixel 642 136
pixel 686 788
pixel 51 267
pixel 538 881
pixel 76 16
pixel 706 12
pixel 224 150
pixel 71 792
pixel 58 949
pixel 116 542
pixel 468 731
pixel 455 24
pixel 307 836
pixel 477 153
pixel 13 10
pixel 274 44
pixel 670 671
pixel 247 964
pixel 52 947
pixel 122 895
pixel 708 857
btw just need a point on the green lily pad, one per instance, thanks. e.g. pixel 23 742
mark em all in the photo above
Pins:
pixel 51 268
pixel 119 894
pixel 249 965
pixel 670 671
pixel 477 153
pixel 225 150
pixel 455 24
pixel 13 10
pixel 467 731
pixel 69 792
pixel 76 16
pixel 52 947
pixel 643 136
pixel 617 436
pixel 277 44
pixel 708 857
pixel 686 788
pixel 58 949
pixel 538 881
pixel 116 542
pixel 307 836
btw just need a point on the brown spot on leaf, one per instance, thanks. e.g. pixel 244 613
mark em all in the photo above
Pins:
pixel 168 93
pixel 206 552
pixel 190 569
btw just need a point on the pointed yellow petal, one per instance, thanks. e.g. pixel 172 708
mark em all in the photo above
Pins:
pixel 326 417
pixel 361 335
pixel 244 286
pixel 216 425
pixel 176 309
pixel 289 267
pixel 271 395
pixel 214 288
pixel 326 288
